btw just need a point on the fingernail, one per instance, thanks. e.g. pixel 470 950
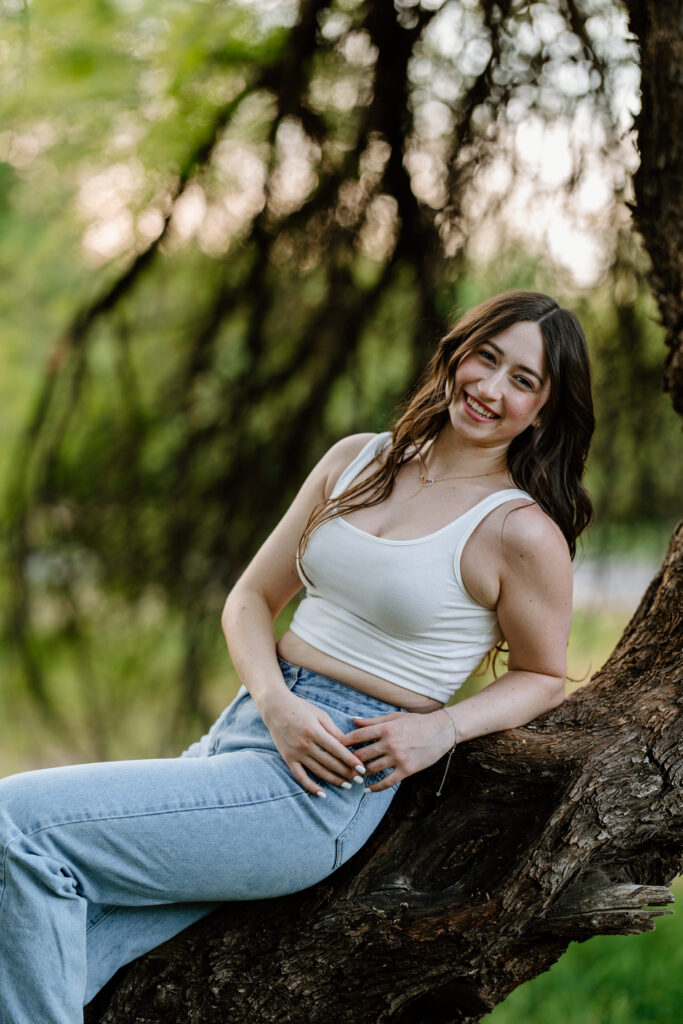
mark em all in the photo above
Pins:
pixel 346 785
pixel 358 779
pixel 360 768
pixel 321 792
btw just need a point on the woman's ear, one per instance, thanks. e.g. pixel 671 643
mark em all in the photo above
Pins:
pixel 539 419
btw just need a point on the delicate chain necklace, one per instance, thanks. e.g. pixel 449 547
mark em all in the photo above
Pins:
pixel 429 480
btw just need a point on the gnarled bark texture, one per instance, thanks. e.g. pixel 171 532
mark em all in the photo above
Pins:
pixel 567 828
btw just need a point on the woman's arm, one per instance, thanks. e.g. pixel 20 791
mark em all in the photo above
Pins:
pixel 305 736
pixel 534 612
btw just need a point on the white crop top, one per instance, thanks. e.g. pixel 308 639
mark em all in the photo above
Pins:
pixel 397 608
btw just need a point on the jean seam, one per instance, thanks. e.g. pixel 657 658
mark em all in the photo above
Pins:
pixel 149 814
pixel 348 830
pixel 2 879
pixel 98 922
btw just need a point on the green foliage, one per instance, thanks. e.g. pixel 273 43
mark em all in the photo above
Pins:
pixel 216 261
pixel 628 478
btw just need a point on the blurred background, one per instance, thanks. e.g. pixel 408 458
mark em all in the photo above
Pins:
pixel 231 233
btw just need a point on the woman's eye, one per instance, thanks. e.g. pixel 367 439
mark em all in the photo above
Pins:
pixel 488 356
pixel 525 382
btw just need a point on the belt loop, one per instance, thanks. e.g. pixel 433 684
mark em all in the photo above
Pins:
pixel 291 673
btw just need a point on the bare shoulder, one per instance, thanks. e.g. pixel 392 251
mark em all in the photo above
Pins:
pixel 348 447
pixel 533 543
pixel 338 457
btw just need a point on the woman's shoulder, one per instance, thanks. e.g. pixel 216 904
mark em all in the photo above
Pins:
pixel 351 446
pixel 531 541
pixel 341 455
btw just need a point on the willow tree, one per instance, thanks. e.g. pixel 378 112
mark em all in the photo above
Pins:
pixel 279 205
pixel 335 166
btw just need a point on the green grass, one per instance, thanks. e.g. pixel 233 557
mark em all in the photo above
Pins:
pixel 611 979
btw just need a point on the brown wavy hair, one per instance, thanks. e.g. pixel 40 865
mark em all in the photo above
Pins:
pixel 546 461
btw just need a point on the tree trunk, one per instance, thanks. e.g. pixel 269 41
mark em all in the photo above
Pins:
pixel 564 829
pixel 659 181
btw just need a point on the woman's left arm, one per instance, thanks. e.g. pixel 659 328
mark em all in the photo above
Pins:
pixel 534 612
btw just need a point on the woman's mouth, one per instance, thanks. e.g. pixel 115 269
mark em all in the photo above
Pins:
pixel 478 411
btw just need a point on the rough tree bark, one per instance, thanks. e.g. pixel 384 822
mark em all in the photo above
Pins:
pixel 567 828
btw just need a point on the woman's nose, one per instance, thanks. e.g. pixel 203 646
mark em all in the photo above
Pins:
pixel 491 385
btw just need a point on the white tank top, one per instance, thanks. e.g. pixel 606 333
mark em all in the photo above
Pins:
pixel 397 608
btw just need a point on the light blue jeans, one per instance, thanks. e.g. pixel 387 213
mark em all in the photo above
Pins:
pixel 102 862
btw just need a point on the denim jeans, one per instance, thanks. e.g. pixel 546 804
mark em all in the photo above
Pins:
pixel 102 862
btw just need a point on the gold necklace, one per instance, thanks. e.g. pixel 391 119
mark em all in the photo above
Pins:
pixel 427 481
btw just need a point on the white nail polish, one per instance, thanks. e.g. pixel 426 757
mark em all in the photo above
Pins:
pixel 360 768
pixel 358 779
pixel 346 785
pixel 321 792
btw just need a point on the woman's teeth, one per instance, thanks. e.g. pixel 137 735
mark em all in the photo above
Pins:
pixel 480 408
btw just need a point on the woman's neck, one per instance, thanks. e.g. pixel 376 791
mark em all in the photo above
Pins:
pixel 451 456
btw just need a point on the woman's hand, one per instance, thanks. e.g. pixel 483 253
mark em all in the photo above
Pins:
pixel 307 738
pixel 402 741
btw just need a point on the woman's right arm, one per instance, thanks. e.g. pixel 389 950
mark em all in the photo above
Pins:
pixel 305 735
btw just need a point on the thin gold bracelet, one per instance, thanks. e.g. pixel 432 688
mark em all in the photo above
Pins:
pixel 450 752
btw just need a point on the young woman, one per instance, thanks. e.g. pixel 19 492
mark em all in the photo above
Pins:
pixel 420 549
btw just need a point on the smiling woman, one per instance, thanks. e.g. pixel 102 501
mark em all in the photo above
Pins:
pixel 495 383
pixel 495 502
pixel 420 548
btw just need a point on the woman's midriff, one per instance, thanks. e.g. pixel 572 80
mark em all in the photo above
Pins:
pixel 297 651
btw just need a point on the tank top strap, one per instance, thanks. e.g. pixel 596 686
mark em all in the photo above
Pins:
pixel 471 520
pixel 364 457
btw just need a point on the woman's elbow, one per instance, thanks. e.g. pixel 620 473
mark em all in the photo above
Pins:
pixel 556 689
pixel 232 603
pixel 243 599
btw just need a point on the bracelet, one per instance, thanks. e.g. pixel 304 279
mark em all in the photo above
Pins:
pixel 450 752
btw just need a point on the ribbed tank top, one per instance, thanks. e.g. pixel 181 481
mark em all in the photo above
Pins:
pixel 397 608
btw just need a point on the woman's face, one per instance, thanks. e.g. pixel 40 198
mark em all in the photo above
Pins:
pixel 501 387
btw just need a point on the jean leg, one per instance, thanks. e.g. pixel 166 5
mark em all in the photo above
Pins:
pixel 138 834
pixel 122 934
pixel 115 936
pixel 106 847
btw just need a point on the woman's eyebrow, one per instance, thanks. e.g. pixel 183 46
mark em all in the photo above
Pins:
pixel 527 369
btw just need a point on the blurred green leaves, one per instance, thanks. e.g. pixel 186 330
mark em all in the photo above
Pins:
pixel 231 233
